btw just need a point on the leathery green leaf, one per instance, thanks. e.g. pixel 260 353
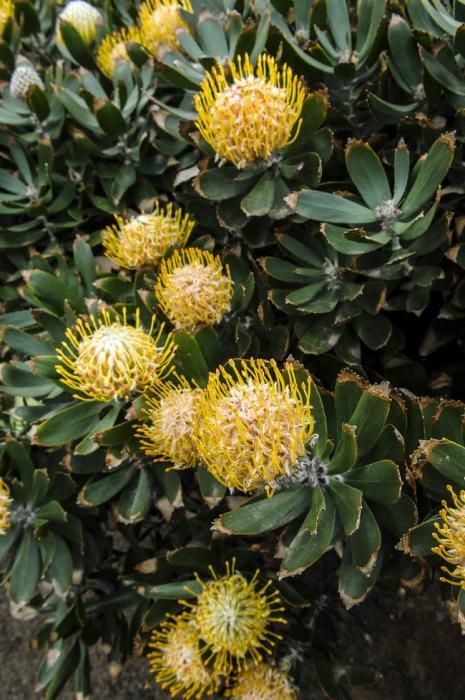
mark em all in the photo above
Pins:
pixel 365 543
pixel 367 174
pixel 379 481
pixel 348 502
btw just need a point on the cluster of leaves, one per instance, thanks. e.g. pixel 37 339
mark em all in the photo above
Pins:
pixel 346 252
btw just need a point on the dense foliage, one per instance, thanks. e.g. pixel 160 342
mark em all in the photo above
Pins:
pixel 233 299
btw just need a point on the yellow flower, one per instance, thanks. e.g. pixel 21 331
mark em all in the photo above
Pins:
pixel 83 17
pixel 172 414
pixel 176 659
pixel 159 22
pixel 247 120
pixel 105 358
pixel 233 617
pixel 450 536
pixel 6 11
pixel 145 239
pixel 193 289
pixel 5 501
pixel 262 682
pixel 255 422
pixel 113 49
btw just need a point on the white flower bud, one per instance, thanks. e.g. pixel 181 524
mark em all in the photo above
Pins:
pixel 23 78
pixel 83 17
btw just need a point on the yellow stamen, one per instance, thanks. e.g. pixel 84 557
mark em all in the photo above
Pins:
pixel 233 617
pixel 193 289
pixel 145 239
pixel 5 501
pixel 247 120
pixel 113 49
pixel 255 423
pixel 105 358
pixel 6 12
pixel 160 21
pixel 450 536
pixel 176 659
pixel 262 682
pixel 172 413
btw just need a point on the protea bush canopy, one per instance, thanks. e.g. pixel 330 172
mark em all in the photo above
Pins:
pixel 233 302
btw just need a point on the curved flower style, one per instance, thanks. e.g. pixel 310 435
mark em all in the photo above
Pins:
pixel 5 501
pixel 233 618
pixel 262 682
pixel 255 422
pixel 113 49
pixel 193 289
pixel 159 22
pixel 6 11
pixel 247 120
pixel 23 78
pixel 83 17
pixel 105 358
pixel 145 239
pixel 172 413
pixel 450 536
pixel 176 659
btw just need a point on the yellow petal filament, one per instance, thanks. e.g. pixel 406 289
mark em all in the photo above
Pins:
pixel 255 423
pixel 113 49
pixel 262 682
pixel 159 23
pixel 176 659
pixel 233 617
pixel 145 239
pixel 193 289
pixel 6 12
pixel 450 535
pixel 256 113
pixel 172 414
pixel 105 358
pixel 5 501
pixel 83 17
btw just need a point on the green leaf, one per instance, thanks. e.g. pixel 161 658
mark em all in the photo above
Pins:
pixel 190 359
pixel 85 263
pixel 319 416
pixel 259 200
pixel 379 481
pixel 69 424
pixel 110 119
pixel 25 572
pixel 61 567
pixel 21 382
pixel 38 102
pixel 212 491
pixel 365 543
pixel 306 548
pixel 102 490
pixel 367 174
pixel 348 502
pixel 179 590
pixel 218 184
pixel 353 585
pixel 326 207
pixel 25 343
pixel 447 457
pixel 63 669
pixel 321 336
pixel 267 513
pixel 346 452
pixel 419 541
pixel 52 511
pixel 136 498
pixel 374 331
pixel 369 417
pixel 76 46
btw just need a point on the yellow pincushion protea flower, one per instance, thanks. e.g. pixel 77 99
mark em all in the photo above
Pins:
pixel 172 413
pixel 105 358
pixel 262 682
pixel 193 289
pixel 450 536
pixel 6 11
pixel 145 239
pixel 5 501
pixel 255 422
pixel 176 659
pixel 83 17
pixel 159 22
pixel 233 618
pixel 113 49
pixel 247 120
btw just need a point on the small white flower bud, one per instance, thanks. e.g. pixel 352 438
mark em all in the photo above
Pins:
pixel 83 17
pixel 23 78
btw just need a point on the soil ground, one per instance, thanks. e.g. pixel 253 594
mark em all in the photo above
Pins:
pixel 418 653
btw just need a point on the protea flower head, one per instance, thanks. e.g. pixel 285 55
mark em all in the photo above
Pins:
pixel 6 12
pixel 193 289
pixel 262 682
pixel 255 422
pixel 172 414
pixel 83 17
pixel 233 617
pixel 113 49
pixel 450 535
pixel 106 358
pixel 249 116
pixel 146 238
pixel 5 501
pixel 176 660
pixel 24 77
pixel 159 22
